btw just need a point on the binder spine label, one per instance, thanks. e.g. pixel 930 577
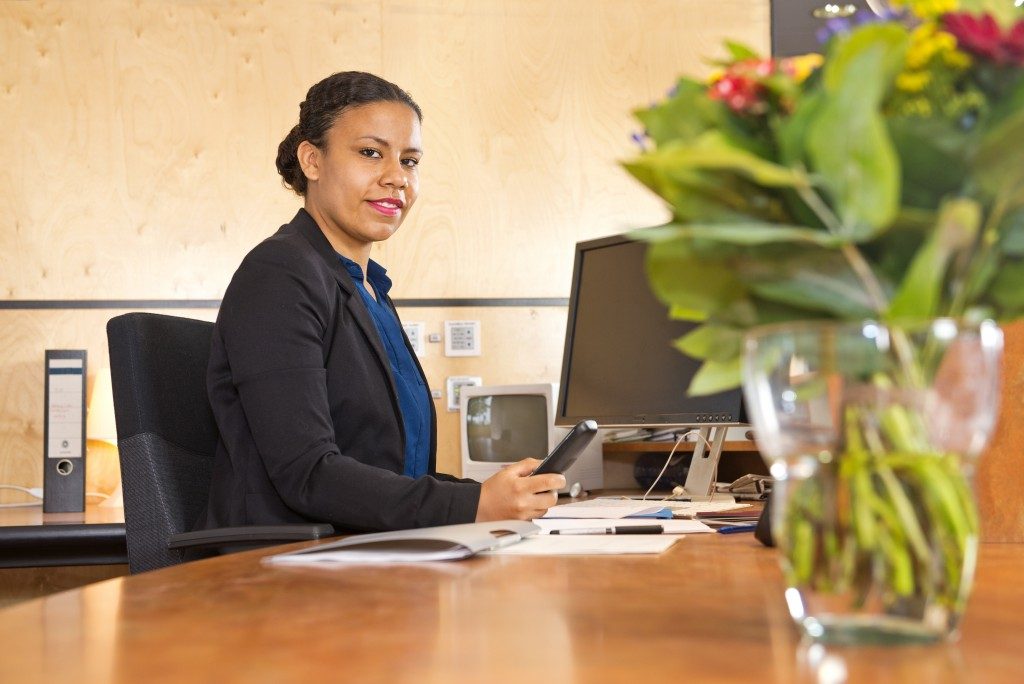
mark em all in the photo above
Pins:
pixel 64 432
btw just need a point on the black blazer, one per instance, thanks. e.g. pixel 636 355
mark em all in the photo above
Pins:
pixel 301 387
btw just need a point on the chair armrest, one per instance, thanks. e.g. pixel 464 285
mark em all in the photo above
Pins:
pixel 253 535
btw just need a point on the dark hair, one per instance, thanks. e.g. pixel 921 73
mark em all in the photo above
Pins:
pixel 324 102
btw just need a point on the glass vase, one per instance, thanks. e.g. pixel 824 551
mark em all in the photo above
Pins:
pixel 872 432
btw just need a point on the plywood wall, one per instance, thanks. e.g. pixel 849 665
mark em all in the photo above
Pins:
pixel 139 137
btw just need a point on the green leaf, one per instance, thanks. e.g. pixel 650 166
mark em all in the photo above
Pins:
pixel 815 280
pixel 920 292
pixel 708 195
pixel 1011 239
pixel 712 150
pixel 714 377
pixel 748 234
pixel 683 278
pixel 740 52
pixel 711 342
pixel 931 152
pixel 999 163
pixel 684 116
pixel 847 141
pixel 1008 288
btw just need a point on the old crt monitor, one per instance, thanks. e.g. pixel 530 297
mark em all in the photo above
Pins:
pixel 620 366
pixel 502 424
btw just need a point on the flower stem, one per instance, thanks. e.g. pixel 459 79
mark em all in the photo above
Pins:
pixel 989 237
pixel 853 255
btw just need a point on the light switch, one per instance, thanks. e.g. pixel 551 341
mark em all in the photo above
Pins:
pixel 462 338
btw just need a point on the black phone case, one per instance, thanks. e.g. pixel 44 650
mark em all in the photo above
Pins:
pixel 569 449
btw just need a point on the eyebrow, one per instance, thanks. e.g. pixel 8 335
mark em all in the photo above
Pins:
pixel 384 143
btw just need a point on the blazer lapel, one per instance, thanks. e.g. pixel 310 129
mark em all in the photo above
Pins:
pixel 307 227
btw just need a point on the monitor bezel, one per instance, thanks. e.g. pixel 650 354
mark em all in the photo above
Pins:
pixel 659 420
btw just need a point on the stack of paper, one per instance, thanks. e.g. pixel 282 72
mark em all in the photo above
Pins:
pixel 608 508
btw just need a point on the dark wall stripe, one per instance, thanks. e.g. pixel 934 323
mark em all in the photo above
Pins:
pixel 13 304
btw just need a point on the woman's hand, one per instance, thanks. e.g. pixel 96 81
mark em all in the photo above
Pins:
pixel 512 493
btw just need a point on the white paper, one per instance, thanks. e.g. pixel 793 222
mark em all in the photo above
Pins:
pixel 669 526
pixel 593 509
pixel 587 545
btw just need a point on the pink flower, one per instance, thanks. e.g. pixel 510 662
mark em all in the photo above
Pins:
pixel 741 94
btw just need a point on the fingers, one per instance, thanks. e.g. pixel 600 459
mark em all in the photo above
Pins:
pixel 553 481
pixel 522 468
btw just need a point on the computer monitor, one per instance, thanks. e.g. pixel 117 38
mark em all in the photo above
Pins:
pixel 502 424
pixel 620 367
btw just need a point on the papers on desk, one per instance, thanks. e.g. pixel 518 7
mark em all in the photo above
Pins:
pixel 587 545
pixel 447 542
pixel 606 509
pixel 546 525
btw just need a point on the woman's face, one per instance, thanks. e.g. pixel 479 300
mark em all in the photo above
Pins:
pixel 365 182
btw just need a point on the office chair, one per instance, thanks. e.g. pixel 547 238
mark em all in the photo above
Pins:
pixel 167 438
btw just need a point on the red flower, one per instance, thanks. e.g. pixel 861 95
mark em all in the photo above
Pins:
pixel 982 36
pixel 740 94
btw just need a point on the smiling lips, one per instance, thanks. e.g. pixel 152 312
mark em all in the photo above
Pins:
pixel 388 206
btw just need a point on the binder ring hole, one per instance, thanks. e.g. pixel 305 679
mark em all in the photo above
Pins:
pixel 64 466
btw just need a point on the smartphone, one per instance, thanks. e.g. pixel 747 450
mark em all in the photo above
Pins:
pixel 569 449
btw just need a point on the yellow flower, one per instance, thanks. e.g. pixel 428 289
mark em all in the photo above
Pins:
pixel 913 81
pixel 801 66
pixel 926 9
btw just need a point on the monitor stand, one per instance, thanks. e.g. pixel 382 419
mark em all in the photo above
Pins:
pixel 700 479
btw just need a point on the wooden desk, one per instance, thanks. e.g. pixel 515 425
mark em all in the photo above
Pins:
pixel 709 609
pixel 41 553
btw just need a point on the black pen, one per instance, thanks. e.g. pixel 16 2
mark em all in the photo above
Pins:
pixel 623 529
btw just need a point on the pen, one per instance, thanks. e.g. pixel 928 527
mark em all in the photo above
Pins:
pixel 732 529
pixel 625 529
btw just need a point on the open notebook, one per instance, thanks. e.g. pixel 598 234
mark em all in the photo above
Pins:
pixel 448 542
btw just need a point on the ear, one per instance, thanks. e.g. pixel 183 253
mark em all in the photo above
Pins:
pixel 309 160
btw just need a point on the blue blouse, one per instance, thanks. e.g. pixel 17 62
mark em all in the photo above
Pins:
pixel 413 395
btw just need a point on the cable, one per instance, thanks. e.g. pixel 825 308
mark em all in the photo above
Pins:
pixel 678 489
pixel 36 492
pixel 665 467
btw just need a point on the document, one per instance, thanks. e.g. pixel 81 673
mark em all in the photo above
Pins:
pixel 446 542
pixel 546 525
pixel 587 545
pixel 604 508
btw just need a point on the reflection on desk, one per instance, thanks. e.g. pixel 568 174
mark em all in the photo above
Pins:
pixel 708 609
pixel 42 553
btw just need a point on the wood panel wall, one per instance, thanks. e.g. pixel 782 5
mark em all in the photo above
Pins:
pixel 137 159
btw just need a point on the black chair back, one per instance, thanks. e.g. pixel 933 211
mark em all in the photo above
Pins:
pixel 166 433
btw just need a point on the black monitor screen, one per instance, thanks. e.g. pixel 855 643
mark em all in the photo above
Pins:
pixel 620 367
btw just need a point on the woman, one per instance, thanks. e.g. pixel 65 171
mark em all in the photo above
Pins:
pixel 323 410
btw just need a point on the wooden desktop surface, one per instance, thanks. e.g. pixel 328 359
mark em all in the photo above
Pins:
pixel 709 609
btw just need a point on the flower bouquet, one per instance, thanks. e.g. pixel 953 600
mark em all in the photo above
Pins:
pixel 843 229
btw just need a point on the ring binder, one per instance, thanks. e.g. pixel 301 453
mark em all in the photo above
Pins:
pixel 64 431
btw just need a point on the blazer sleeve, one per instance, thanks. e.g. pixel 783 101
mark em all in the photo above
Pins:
pixel 273 321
